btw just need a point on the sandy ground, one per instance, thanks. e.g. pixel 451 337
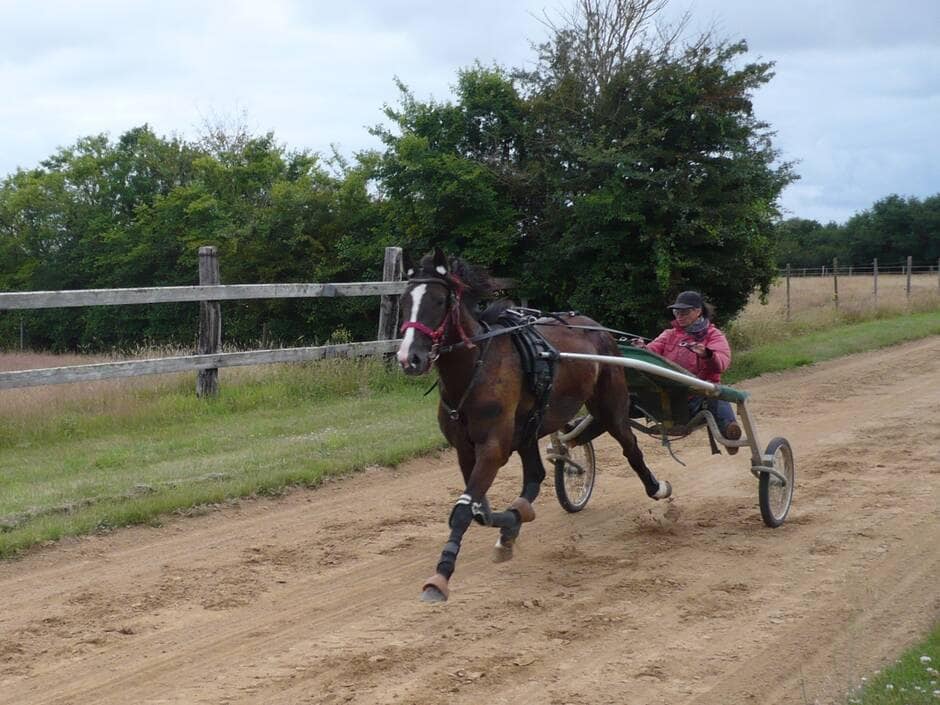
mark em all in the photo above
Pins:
pixel 313 598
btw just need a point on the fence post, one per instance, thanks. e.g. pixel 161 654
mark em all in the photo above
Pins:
pixel 388 307
pixel 835 281
pixel 909 258
pixel 22 333
pixel 875 276
pixel 210 323
pixel 938 272
pixel 788 293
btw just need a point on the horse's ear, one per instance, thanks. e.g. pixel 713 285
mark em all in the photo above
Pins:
pixel 408 267
pixel 440 262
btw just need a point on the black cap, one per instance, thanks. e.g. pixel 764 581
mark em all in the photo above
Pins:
pixel 688 299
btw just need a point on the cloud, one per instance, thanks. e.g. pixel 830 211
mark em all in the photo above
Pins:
pixel 853 102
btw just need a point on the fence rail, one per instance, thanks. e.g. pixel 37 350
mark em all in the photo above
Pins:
pixel 178 294
pixel 187 363
pixel 827 270
pixel 209 294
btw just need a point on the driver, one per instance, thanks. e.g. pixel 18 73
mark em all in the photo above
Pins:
pixel 693 342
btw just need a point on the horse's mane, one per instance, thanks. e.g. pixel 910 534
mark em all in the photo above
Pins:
pixel 492 312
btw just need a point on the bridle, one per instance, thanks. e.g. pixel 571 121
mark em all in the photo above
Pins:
pixel 455 288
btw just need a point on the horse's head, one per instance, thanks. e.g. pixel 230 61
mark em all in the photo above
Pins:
pixel 427 304
pixel 437 290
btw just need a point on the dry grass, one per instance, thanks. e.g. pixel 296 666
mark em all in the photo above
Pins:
pixel 812 305
pixel 113 395
pixel 117 397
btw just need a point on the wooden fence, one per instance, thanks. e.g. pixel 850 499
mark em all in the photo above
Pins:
pixel 210 293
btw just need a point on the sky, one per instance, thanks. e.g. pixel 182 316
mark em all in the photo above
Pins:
pixel 855 101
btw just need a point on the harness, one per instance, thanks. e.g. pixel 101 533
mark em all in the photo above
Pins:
pixel 538 358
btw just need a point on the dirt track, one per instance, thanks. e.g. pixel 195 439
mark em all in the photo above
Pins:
pixel 313 598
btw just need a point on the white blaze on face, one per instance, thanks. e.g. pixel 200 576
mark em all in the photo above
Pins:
pixel 404 350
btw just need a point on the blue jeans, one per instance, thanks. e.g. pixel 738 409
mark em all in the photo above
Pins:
pixel 721 410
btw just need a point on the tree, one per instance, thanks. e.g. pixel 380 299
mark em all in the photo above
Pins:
pixel 103 214
pixel 807 243
pixel 661 177
pixel 70 224
pixel 448 178
pixel 895 228
pixel 622 169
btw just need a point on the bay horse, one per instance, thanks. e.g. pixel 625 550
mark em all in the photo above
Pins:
pixel 485 407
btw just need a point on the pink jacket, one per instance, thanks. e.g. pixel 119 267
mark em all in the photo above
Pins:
pixel 707 368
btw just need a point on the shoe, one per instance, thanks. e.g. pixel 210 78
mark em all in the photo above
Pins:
pixel 733 433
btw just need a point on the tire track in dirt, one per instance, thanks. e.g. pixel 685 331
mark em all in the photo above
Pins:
pixel 313 597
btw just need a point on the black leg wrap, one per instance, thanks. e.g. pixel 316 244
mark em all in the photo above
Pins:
pixel 510 533
pixel 531 490
pixel 460 515
pixel 448 559
pixel 460 518
pixel 507 520
pixel 447 564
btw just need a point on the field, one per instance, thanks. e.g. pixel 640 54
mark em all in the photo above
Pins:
pixel 312 597
pixel 812 305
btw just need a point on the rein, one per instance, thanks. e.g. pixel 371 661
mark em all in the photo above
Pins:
pixel 469 343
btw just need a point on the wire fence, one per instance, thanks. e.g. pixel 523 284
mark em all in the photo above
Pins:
pixel 862 282
pixel 827 270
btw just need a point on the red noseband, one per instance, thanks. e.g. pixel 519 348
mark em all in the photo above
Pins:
pixel 434 335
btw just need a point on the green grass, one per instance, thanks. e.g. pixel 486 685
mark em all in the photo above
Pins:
pixel 829 344
pixel 912 680
pixel 80 471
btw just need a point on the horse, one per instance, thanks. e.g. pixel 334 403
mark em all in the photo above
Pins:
pixel 486 407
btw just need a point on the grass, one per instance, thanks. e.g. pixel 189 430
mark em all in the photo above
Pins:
pixel 90 464
pixel 913 680
pixel 831 343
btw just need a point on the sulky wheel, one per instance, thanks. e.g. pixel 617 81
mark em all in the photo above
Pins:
pixel 775 497
pixel 574 476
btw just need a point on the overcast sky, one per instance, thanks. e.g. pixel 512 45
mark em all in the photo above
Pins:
pixel 855 100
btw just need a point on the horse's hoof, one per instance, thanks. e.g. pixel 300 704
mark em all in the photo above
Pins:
pixel 435 589
pixel 502 551
pixel 432 594
pixel 664 491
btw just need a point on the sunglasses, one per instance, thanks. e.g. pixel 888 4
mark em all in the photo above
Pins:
pixel 677 312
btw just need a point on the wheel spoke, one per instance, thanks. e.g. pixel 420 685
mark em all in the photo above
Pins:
pixel 574 475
